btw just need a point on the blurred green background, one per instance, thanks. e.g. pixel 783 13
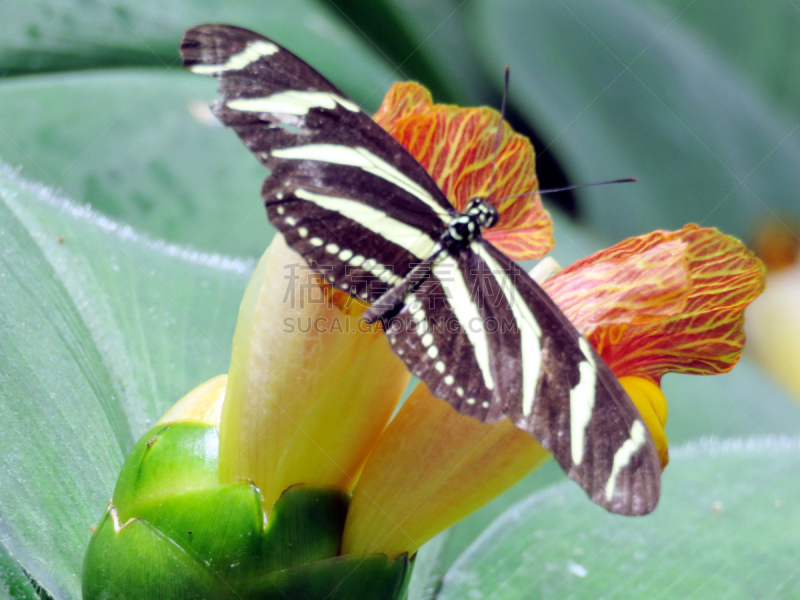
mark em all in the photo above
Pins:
pixel 111 313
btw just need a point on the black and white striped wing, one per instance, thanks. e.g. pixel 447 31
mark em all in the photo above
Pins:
pixel 338 181
pixel 568 399
pixel 486 338
pixel 442 336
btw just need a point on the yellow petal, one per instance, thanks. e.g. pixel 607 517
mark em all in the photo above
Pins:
pixel 652 405
pixel 309 389
pixel 773 328
pixel 203 404
pixel 431 468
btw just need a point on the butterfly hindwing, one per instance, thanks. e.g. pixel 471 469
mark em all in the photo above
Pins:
pixel 578 410
pixel 443 340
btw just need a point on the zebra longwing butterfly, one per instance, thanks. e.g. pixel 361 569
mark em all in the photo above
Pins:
pixel 348 196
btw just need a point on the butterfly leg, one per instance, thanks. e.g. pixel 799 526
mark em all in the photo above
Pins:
pixel 389 303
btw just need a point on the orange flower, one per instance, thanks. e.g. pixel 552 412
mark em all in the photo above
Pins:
pixel 457 147
pixel 657 303
pixel 314 406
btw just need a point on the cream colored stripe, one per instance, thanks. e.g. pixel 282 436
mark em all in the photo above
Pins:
pixel 251 53
pixel 377 221
pixel 581 402
pixel 458 295
pixel 292 102
pixel 362 159
pixel 529 331
pixel 622 457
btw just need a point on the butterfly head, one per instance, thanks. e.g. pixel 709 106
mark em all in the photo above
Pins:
pixel 468 225
pixel 482 213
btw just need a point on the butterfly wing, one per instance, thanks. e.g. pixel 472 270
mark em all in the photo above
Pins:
pixel 440 334
pixel 337 178
pixel 568 399
pixel 483 336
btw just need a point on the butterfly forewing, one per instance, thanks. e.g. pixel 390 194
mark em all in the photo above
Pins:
pixel 337 177
pixel 476 330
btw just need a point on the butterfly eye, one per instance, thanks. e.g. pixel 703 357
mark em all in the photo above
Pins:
pixel 492 216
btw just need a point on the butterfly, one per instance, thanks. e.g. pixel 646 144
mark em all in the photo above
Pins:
pixel 465 319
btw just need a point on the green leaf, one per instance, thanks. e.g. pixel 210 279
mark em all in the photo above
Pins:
pixel 130 143
pixel 427 43
pixel 137 144
pixel 102 331
pixel 620 89
pixel 50 35
pixel 723 529
pixel 14 584
pixel 760 39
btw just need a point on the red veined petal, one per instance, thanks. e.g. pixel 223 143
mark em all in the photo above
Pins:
pixel 704 336
pixel 457 147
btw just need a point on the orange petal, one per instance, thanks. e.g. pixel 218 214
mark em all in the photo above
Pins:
pixel 706 335
pixel 431 468
pixel 637 281
pixel 309 388
pixel 457 147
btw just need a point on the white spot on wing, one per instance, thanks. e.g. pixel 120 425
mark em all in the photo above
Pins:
pixel 251 53
pixel 422 327
pixel 623 456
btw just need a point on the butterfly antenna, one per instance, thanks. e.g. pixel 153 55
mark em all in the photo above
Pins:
pixel 574 187
pixel 499 132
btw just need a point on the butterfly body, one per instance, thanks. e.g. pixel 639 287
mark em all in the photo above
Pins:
pixel 466 319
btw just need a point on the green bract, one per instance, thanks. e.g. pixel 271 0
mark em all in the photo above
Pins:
pixel 172 531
